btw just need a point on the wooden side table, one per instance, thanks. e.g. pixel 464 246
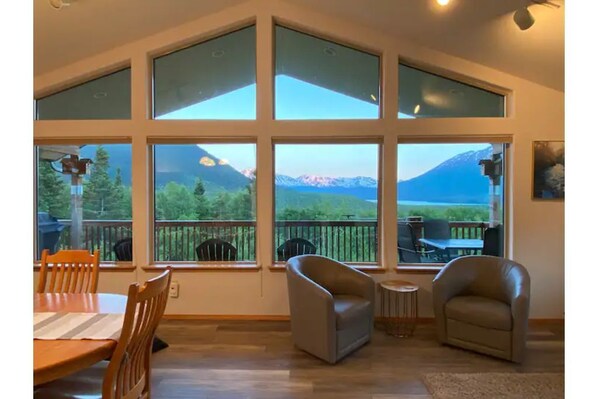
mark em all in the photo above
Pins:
pixel 399 307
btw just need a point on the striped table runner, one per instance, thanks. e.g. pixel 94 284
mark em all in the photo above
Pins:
pixel 48 325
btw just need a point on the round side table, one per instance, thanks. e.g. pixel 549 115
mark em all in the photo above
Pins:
pixel 399 307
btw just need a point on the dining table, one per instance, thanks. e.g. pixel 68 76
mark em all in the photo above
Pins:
pixel 57 358
pixel 468 244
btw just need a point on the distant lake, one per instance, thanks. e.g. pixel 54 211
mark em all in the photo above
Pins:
pixel 426 203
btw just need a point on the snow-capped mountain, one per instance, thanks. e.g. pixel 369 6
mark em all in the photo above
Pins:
pixel 325 181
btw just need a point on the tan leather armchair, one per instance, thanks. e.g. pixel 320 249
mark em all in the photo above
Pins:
pixel 332 306
pixel 481 303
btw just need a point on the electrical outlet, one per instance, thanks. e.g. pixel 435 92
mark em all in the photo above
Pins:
pixel 174 289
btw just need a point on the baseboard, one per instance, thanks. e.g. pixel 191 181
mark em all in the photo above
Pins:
pixel 421 320
pixel 225 317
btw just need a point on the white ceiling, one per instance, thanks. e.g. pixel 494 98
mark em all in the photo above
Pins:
pixel 479 30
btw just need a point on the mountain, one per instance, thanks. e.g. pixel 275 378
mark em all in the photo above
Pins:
pixel 456 180
pixel 182 164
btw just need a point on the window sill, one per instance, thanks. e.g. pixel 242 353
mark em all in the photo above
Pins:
pixel 197 267
pixel 280 267
pixel 418 269
pixel 115 267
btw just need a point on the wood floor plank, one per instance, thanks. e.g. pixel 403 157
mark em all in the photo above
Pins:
pixel 257 360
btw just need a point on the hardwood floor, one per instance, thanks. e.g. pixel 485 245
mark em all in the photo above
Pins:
pixel 253 359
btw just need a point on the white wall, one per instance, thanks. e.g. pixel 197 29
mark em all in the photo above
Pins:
pixel 535 228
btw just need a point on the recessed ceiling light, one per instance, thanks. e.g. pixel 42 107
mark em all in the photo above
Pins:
pixel 416 109
pixel 218 53
pixel 330 51
pixel 100 94
pixel 443 2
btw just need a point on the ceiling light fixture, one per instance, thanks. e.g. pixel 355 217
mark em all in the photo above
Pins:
pixel 524 19
pixel 58 4
pixel 442 3
pixel 218 53
pixel 416 109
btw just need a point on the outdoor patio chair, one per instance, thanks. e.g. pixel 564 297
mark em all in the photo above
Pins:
pixel 216 249
pixel 294 247
pixel 123 249
pixel 492 242
pixel 439 229
pixel 409 251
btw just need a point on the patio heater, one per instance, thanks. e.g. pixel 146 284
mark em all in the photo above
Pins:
pixel 77 168
pixel 493 169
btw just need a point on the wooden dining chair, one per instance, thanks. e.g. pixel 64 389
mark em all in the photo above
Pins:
pixel 128 374
pixel 72 272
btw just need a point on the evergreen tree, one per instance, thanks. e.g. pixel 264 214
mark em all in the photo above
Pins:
pixel 175 202
pixel 53 192
pixel 100 200
pixel 202 205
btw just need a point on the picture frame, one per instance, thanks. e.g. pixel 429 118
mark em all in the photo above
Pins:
pixel 548 165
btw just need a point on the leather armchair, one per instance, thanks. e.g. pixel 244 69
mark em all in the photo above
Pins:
pixel 332 306
pixel 481 303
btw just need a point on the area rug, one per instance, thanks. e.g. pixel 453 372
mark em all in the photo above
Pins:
pixel 496 385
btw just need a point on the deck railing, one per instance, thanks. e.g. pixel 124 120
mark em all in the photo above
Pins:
pixel 175 240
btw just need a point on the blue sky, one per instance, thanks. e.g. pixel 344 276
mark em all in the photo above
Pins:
pixel 296 99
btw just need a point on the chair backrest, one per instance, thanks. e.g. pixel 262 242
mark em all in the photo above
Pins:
pixel 73 272
pixel 437 228
pixel 294 247
pixel 216 249
pixel 123 249
pixel 128 373
pixel 407 249
pixel 492 242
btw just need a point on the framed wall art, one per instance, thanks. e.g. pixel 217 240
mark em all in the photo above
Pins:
pixel 549 170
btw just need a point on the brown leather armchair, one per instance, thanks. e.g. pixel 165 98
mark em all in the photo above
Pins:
pixel 481 303
pixel 332 306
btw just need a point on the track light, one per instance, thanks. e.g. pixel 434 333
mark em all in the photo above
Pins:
pixel 523 18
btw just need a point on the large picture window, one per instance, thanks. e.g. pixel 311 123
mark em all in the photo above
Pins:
pixel 210 80
pixel 450 201
pixel 84 199
pixel 326 201
pixel 320 79
pixel 204 202
pixel 107 97
pixel 426 95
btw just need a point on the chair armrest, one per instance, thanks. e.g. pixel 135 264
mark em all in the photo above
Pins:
pixel 313 320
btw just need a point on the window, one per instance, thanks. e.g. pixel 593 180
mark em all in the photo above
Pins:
pixel 204 202
pixel 326 201
pixel 449 192
pixel 425 95
pixel 319 79
pixel 108 97
pixel 83 198
pixel 211 80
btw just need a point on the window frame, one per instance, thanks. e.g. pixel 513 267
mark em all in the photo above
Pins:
pixel 193 265
pixel 459 78
pixel 142 129
pixel 153 56
pixel 37 142
pixel 379 141
pixel 506 141
pixel 313 33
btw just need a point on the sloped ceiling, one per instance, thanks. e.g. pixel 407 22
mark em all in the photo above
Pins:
pixel 481 31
